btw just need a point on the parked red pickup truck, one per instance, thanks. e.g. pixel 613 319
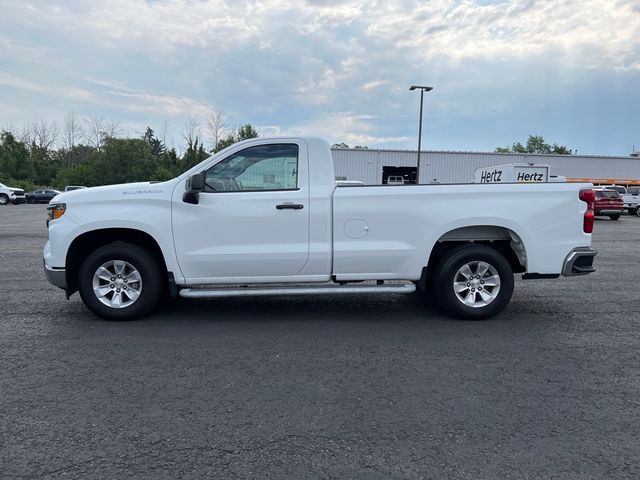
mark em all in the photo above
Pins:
pixel 608 203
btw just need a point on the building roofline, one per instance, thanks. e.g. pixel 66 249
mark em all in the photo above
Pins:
pixel 554 155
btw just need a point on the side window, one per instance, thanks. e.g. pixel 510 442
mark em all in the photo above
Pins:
pixel 263 167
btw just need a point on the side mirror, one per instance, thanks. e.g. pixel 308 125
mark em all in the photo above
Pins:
pixel 193 187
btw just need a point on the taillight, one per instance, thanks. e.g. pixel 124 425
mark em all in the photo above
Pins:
pixel 587 225
pixel 588 196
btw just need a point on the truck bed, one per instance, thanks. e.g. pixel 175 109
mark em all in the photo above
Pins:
pixel 387 232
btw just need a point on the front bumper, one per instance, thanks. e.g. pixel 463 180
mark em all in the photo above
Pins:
pixel 579 262
pixel 56 276
pixel 17 200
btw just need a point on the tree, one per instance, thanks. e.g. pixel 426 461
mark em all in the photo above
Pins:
pixel 93 133
pixel 72 130
pixel 15 159
pixel 225 142
pixel 112 129
pixel 245 132
pixel 340 145
pixel 81 174
pixel 535 144
pixel 216 126
pixel 71 135
pixel 163 133
pixel 44 134
pixel 195 154
pixel 98 129
pixel 155 144
pixel 191 132
pixel 103 158
pixel 124 160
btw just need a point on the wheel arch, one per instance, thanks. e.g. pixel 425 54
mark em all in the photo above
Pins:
pixel 87 242
pixel 503 239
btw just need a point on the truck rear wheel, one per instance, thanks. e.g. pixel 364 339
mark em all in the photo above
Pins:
pixel 474 282
pixel 120 281
pixel 615 217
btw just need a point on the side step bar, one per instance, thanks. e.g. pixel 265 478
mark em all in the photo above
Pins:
pixel 306 290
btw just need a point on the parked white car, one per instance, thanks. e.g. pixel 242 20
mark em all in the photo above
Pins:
pixel 395 180
pixel 265 217
pixel 11 195
pixel 631 200
pixel 621 189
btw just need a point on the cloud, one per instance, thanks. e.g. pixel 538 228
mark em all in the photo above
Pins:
pixel 45 88
pixel 375 84
pixel 175 23
pixel 603 35
pixel 142 101
pixel 347 127
pixel 342 67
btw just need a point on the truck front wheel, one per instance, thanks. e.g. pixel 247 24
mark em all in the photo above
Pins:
pixel 474 282
pixel 120 281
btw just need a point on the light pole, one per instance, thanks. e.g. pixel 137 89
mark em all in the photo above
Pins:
pixel 422 89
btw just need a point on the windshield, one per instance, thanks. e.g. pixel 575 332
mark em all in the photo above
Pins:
pixel 607 194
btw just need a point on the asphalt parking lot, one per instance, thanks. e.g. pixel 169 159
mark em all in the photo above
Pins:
pixel 376 387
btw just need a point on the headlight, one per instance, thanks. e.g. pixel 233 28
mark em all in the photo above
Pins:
pixel 55 211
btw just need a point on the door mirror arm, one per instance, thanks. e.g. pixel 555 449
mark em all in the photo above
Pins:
pixel 193 186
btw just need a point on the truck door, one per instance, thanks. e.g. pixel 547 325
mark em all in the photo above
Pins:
pixel 252 220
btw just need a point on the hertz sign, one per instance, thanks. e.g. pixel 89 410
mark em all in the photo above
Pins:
pixel 513 173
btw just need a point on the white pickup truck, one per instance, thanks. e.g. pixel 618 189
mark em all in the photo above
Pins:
pixel 631 200
pixel 11 195
pixel 265 217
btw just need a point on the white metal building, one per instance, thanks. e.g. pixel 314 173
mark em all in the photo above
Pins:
pixel 374 166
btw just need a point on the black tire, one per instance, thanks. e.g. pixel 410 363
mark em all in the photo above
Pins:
pixel 148 268
pixel 446 272
pixel 32 200
pixel 4 199
pixel 633 211
pixel 615 217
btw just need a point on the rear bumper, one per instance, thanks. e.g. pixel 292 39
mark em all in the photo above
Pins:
pixel 56 276
pixel 609 211
pixel 579 262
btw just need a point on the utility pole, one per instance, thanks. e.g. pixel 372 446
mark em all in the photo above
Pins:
pixel 422 90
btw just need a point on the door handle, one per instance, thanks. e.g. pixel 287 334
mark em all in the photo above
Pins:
pixel 290 206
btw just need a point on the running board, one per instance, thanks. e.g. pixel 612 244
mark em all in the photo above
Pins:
pixel 261 292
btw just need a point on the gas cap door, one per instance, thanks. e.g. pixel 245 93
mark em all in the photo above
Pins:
pixel 356 228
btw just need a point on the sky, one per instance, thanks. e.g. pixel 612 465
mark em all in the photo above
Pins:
pixel 501 70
